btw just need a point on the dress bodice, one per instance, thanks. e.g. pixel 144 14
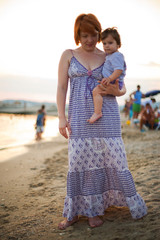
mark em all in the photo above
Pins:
pixel 81 107
pixel 76 69
pixel 84 78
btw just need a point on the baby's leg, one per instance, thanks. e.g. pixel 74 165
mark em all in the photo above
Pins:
pixel 98 101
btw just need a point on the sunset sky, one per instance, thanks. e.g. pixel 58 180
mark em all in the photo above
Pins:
pixel 34 33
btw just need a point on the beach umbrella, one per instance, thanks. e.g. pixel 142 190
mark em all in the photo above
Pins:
pixel 152 93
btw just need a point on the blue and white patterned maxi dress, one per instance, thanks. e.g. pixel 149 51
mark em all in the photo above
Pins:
pixel 98 175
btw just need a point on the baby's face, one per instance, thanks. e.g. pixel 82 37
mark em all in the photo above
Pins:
pixel 110 45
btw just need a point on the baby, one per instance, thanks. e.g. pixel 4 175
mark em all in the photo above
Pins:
pixel 114 67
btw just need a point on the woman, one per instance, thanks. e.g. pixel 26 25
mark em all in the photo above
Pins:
pixel 98 175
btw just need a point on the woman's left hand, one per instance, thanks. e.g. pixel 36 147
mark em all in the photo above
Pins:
pixel 113 89
pixel 63 126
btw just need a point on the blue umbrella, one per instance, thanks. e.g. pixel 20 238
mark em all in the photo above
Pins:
pixel 152 93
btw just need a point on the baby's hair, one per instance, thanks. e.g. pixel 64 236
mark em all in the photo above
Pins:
pixel 114 33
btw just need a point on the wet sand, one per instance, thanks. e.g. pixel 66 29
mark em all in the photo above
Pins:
pixel 33 188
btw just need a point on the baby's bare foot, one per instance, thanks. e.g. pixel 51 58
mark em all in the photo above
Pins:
pixel 65 223
pixel 95 222
pixel 94 117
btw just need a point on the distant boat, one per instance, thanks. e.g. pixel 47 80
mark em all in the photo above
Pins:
pixel 19 110
pixel 26 107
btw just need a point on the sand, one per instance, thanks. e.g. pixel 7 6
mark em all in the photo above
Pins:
pixel 33 188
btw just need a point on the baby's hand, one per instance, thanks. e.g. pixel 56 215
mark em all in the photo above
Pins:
pixel 105 81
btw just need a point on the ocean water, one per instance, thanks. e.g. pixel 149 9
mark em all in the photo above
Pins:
pixel 18 130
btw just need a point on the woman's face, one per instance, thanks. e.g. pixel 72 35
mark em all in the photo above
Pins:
pixel 88 40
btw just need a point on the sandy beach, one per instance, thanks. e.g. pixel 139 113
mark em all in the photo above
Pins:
pixel 33 188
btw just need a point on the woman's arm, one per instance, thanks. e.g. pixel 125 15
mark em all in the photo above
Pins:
pixel 62 92
pixel 132 93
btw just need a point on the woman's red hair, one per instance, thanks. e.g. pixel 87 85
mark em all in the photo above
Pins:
pixel 86 23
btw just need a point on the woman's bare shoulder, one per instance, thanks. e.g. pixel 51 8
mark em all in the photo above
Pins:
pixel 101 53
pixel 67 53
pixel 66 56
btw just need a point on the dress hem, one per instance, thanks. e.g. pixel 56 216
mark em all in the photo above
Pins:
pixel 91 206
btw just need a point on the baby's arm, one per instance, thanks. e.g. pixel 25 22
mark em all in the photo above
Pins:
pixel 112 77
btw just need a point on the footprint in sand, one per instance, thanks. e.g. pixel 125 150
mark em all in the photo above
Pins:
pixel 36 185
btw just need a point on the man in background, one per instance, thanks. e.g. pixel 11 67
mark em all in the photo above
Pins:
pixel 136 107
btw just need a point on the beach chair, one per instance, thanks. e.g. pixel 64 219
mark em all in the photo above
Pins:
pixel 158 125
pixel 158 120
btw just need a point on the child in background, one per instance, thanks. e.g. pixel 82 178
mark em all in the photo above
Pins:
pixel 114 68
pixel 40 122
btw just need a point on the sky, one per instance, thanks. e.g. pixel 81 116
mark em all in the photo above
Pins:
pixel 34 33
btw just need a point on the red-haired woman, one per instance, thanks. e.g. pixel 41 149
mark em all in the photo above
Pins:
pixel 98 175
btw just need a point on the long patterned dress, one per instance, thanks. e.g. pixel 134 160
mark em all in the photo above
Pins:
pixel 98 175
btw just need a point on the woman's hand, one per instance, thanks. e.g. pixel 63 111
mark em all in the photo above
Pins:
pixel 113 89
pixel 63 125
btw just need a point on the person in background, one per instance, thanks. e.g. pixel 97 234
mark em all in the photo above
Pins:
pixel 126 108
pixel 138 95
pixel 131 101
pixel 154 104
pixel 155 107
pixel 40 122
pixel 147 117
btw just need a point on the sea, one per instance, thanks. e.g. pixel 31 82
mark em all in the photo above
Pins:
pixel 17 130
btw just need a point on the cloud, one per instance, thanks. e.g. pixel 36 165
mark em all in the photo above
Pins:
pixel 151 64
